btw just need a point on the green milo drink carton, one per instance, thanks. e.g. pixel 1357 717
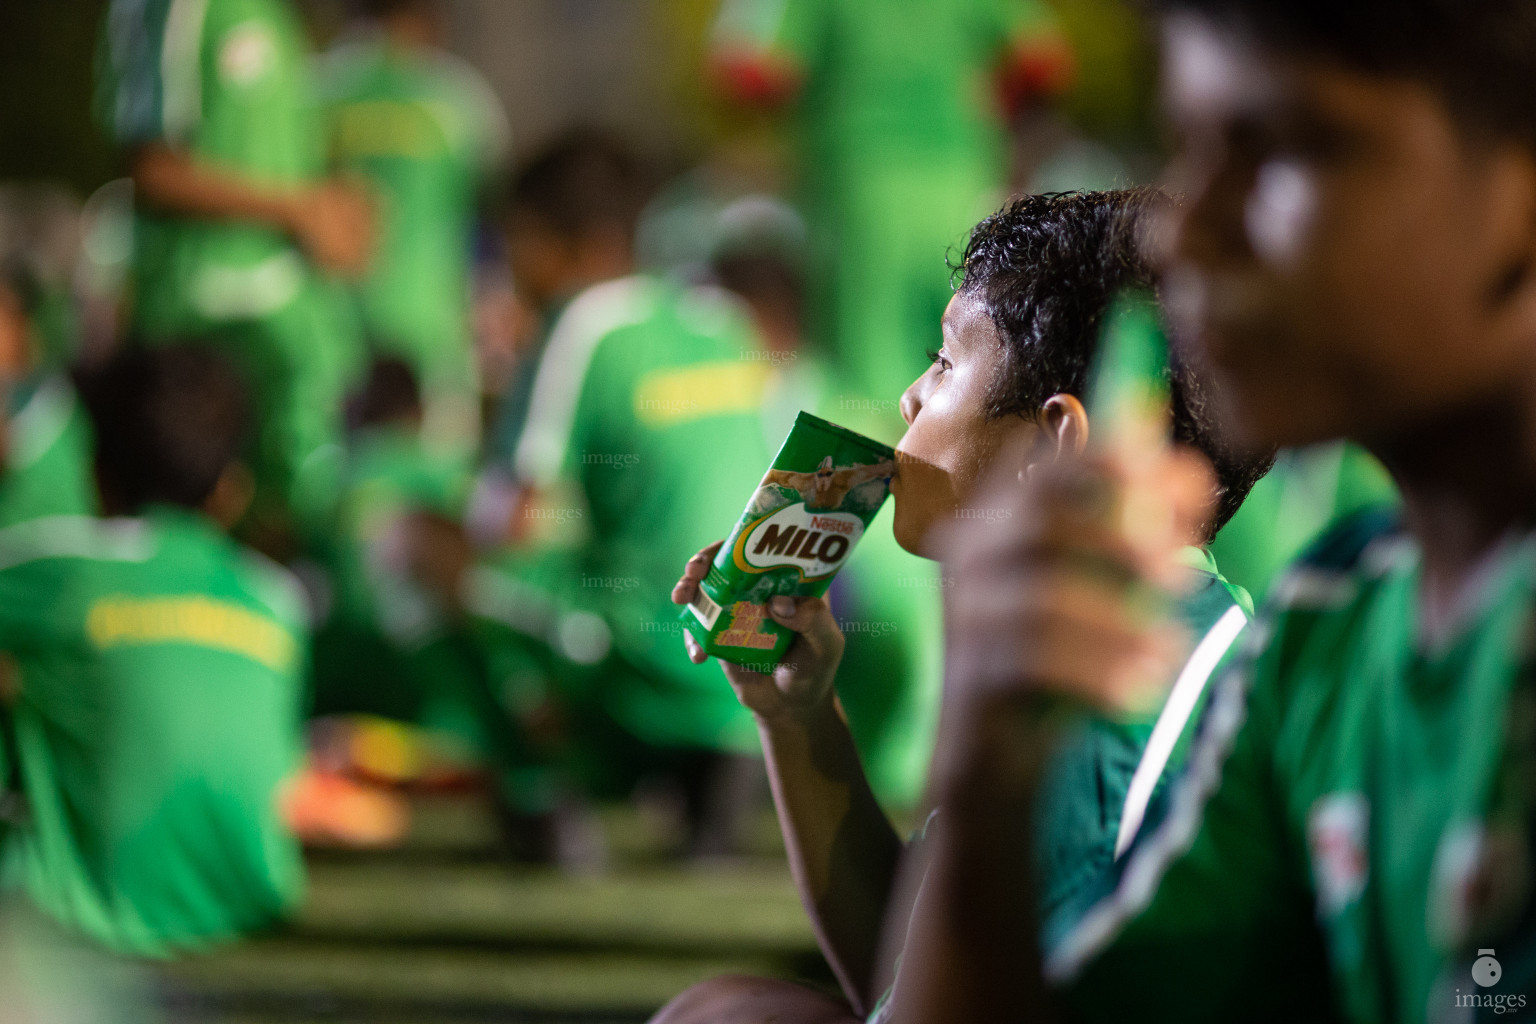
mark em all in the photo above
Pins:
pixel 813 505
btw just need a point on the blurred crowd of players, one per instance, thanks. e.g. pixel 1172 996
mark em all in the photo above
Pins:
pixel 354 447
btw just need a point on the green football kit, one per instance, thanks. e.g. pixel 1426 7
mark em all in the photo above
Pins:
pixel 1307 491
pixel 902 152
pixel 376 614
pixel 644 412
pixel 387 647
pixel 157 719
pixel 1107 784
pixel 229 82
pixel 425 130
pixel 47 466
pixel 1352 839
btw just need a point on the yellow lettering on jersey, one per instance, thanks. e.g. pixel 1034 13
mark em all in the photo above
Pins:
pixel 201 621
pixel 372 128
pixel 696 392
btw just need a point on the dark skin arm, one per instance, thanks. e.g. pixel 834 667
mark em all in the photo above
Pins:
pixel 1053 616
pixel 969 950
pixel 332 222
pixel 842 850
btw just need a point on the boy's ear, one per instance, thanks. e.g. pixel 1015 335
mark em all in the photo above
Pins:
pixel 231 496
pixel 1064 424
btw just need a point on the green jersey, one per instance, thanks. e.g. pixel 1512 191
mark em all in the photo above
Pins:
pixel 376 614
pixel 227 81
pixel 1108 781
pixel 390 475
pixel 1355 823
pixel 645 403
pixel 876 87
pixel 48 459
pixel 425 130
pixel 159 673
pixel 901 152
pixel 1307 491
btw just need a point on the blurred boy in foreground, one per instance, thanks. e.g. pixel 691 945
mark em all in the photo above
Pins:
pixel 1356 259
pixel 153 677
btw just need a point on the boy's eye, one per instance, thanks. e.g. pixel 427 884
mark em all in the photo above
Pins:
pixel 939 359
pixel 1301 137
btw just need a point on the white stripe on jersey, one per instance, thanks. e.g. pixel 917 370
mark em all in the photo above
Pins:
pixel 1306 587
pixel 103 540
pixel 41 422
pixel 1171 721
pixel 181 72
pixel 590 318
pixel 1147 865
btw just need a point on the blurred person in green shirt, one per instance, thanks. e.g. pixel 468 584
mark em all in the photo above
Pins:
pixel 389 648
pixel 238 231
pixel 152 672
pixel 637 425
pixel 426 131
pixel 901 148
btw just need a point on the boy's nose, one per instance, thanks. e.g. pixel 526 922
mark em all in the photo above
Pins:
pixel 911 403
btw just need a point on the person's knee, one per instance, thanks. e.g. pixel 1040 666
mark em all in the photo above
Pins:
pixel 705 1001
pixel 741 999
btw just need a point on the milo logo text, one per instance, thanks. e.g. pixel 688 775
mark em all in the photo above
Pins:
pixel 815 543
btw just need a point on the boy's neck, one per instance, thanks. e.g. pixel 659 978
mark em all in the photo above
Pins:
pixel 1467 479
pixel 410 32
pixel 555 304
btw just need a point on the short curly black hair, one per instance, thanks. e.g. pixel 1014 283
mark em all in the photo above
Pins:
pixel 1046 268
pixel 1478 55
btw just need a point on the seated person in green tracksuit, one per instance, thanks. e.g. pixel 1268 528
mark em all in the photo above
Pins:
pixel 390 644
pixel 638 424
pixel 1020 337
pixel 153 678
pixel 375 613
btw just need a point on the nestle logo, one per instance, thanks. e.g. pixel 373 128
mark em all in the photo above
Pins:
pixel 831 525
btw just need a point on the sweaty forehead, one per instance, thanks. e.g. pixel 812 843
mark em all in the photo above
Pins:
pixel 967 321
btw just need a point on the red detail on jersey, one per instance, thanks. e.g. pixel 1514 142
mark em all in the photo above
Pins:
pixel 754 78
pixel 1035 70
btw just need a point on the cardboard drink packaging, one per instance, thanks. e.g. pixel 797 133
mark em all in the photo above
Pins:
pixel 815 502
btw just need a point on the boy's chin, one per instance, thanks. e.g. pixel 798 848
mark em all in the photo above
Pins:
pixel 914 534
